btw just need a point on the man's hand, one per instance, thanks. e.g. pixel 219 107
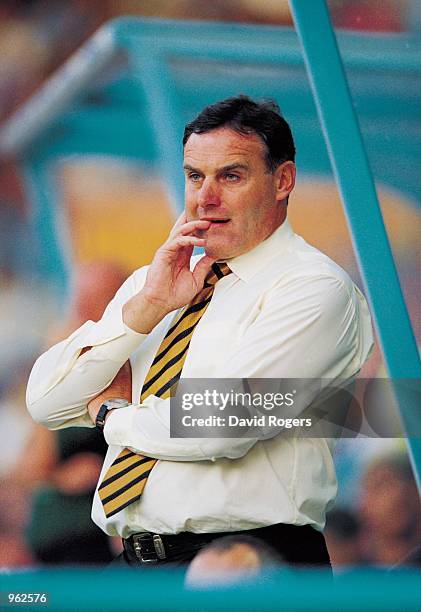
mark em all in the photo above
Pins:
pixel 170 284
pixel 120 387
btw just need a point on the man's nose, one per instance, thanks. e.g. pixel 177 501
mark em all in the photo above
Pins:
pixel 209 194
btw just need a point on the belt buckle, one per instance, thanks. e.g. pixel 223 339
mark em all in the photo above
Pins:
pixel 149 547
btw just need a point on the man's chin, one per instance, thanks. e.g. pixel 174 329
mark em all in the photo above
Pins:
pixel 218 252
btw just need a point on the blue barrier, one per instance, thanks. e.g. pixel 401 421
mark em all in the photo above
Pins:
pixel 114 590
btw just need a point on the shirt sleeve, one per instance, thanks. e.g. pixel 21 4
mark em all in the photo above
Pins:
pixel 306 328
pixel 62 381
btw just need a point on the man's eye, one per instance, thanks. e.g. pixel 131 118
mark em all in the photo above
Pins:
pixel 194 177
pixel 232 178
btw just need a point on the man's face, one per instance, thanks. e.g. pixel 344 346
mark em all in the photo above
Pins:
pixel 228 183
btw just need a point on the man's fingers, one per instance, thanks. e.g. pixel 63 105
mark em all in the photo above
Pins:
pixel 181 220
pixel 189 228
pixel 183 241
pixel 201 269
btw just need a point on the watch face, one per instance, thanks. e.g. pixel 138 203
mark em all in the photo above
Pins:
pixel 110 404
pixel 116 402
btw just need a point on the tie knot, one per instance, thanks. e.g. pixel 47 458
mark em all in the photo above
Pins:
pixel 217 271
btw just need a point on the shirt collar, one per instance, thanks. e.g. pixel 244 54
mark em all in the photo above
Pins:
pixel 245 266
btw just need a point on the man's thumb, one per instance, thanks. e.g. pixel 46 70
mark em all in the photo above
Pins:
pixel 201 269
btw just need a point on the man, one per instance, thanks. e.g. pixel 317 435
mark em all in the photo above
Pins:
pixel 261 303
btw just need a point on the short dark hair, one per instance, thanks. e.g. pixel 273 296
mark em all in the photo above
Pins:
pixel 245 116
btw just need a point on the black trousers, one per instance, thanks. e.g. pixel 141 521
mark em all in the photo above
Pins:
pixel 298 546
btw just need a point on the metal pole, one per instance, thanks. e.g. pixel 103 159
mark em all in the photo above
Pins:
pixel 355 182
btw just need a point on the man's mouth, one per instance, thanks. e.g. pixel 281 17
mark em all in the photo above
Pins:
pixel 217 221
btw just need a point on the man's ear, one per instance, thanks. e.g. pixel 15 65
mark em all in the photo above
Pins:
pixel 284 180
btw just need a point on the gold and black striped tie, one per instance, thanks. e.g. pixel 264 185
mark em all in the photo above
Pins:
pixel 126 477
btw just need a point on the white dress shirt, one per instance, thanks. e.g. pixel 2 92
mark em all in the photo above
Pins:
pixel 286 311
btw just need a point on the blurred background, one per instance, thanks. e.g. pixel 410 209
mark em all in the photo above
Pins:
pixel 72 229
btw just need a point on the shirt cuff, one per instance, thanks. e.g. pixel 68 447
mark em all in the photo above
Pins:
pixel 132 427
pixel 117 423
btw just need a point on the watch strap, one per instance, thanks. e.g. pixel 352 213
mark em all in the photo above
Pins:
pixel 106 407
pixel 100 417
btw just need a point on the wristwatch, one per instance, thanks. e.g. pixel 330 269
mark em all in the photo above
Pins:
pixel 109 404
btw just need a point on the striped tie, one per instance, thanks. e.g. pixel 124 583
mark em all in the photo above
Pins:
pixel 126 477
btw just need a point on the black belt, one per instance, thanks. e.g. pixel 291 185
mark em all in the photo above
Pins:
pixel 149 548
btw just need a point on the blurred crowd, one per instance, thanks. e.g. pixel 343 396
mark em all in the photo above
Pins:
pixel 47 478
pixel 50 477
